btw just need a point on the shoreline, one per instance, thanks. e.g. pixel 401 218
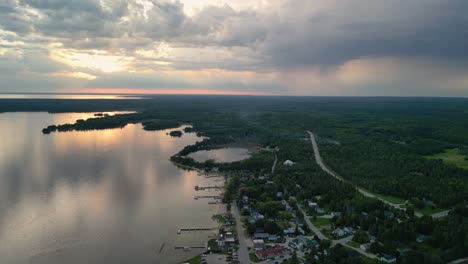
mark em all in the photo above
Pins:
pixel 221 208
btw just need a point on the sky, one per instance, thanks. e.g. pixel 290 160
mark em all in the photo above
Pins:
pixel 265 47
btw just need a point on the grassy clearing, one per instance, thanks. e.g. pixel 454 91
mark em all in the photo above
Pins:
pixel 429 211
pixel 353 244
pixel 194 260
pixel 389 198
pixel 451 157
pixel 319 221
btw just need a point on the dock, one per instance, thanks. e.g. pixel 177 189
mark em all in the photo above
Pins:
pixel 196 197
pixel 201 188
pixel 213 176
pixel 188 248
pixel 195 229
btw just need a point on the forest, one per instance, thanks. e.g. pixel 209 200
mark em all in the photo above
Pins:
pixel 380 144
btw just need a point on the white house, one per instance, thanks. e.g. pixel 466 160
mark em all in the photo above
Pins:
pixel 288 163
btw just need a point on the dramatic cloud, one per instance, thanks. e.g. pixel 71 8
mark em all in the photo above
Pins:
pixel 291 47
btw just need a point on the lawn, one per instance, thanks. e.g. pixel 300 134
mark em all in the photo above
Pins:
pixel 429 211
pixel 451 157
pixel 319 221
pixel 353 244
pixel 194 260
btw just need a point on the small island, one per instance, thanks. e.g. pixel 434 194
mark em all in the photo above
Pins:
pixel 175 133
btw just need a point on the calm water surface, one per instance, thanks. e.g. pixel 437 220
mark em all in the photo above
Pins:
pixel 109 196
pixel 221 155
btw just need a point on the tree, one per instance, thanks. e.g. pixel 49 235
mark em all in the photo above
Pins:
pixel 361 237
pixel 294 259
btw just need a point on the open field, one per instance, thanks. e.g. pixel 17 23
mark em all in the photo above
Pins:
pixel 451 157
pixel 319 221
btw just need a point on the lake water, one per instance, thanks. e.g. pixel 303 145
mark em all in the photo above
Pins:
pixel 221 155
pixel 108 196
pixel 66 96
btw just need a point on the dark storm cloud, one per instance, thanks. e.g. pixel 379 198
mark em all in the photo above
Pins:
pixel 318 38
pixel 295 33
pixel 357 29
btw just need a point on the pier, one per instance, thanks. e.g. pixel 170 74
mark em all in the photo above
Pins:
pixel 188 248
pixel 207 196
pixel 195 229
pixel 201 188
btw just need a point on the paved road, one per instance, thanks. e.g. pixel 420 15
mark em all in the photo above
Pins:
pixel 342 241
pixel 367 254
pixel 274 164
pixel 243 254
pixel 320 162
pixel 311 226
pixel 324 167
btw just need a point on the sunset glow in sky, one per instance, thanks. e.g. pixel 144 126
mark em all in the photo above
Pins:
pixel 265 47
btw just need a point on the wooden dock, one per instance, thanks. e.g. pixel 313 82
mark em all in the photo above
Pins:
pixel 188 248
pixel 201 188
pixel 196 197
pixel 180 230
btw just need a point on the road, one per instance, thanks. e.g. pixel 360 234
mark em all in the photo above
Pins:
pixel 322 165
pixel 243 253
pixel 311 226
pixel 274 164
pixel 342 241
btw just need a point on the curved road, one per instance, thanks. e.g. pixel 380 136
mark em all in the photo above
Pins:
pixel 273 167
pixel 322 165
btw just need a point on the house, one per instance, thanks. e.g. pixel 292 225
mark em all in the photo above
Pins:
pixel 349 230
pixel 272 238
pixel 284 203
pixel 229 238
pixel 420 238
pixel 388 214
pixel 259 244
pixel 220 241
pixel 302 242
pixel 387 258
pixel 245 199
pixel 271 252
pixel 289 232
pixel 339 232
pixel 365 247
pixel 257 216
pixel 261 236
pixel 288 163
pixel 269 183
pixel 336 214
pixel 279 194
pixel 312 204
pixel 319 210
